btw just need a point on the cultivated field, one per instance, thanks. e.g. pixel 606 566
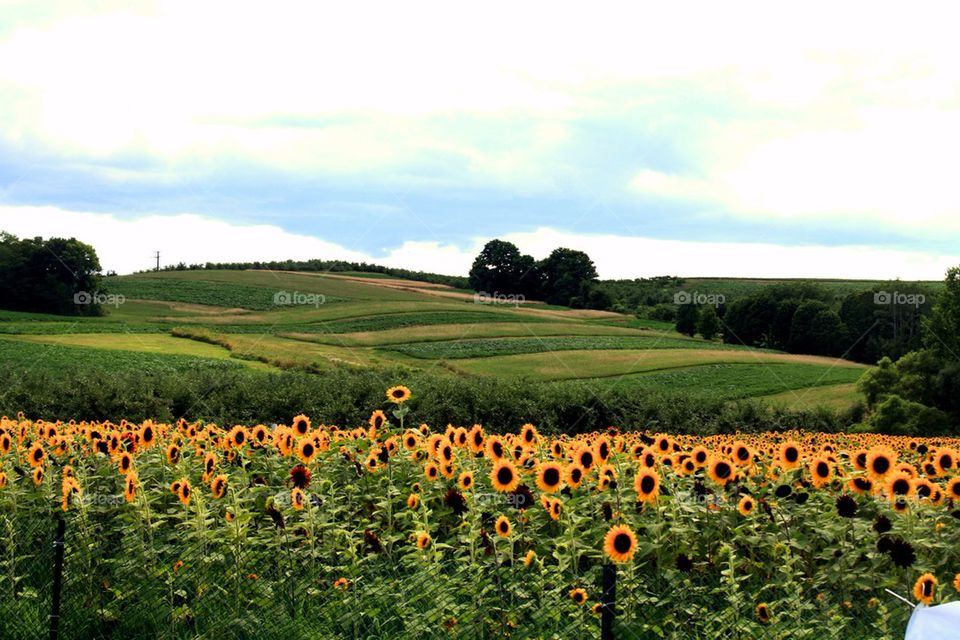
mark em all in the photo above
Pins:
pixel 353 320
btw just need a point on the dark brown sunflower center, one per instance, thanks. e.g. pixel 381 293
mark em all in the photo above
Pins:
pixel 586 459
pixel 551 476
pixel 505 475
pixel 881 465
pixel 722 470
pixel 791 454
pixel 622 543
pixel 647 484
pixel 901 486
pixel 823 469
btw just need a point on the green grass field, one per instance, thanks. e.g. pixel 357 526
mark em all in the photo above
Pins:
pixel 229 318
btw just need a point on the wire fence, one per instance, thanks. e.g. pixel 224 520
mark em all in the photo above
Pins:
pixel 235 591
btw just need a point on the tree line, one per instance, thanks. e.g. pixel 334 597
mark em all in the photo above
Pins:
pixel 805 317
pixel 330 266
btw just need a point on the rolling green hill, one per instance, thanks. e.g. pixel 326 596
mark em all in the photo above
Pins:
pixel 319 322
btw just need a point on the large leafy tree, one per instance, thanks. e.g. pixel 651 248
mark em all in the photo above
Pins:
pixel 567 277
pixel 501 268
pixel 46 275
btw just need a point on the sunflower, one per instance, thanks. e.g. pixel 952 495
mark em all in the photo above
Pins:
pixel 125 463
pixel 301 425
pixel 431 471
pixel 465 480
pixel 259 435
pixel 495 448
pixel 528 434
pixel 413 501
pixel 218 486
pixel 602 448
pixel 578 595
pixel 38 476
pixel 555 508
pixel 647 485
pixel 237 437
pixel 173 454
pixel 620 543
pixel 423 540
pixel 147 435
pixel 574 475
pixel 789 455
pixel 177 565
pixel 746 505
pixel 306 450
pixel 503 526
pixel 209 464
pixel 821 471
pixel 700 455
pixel 762 612
pixel 298 498
pixel 742 454
pixel 300 476
pixel 956 582
pixel 398 394
pixel 720 471
pixel 410 441
pixel 3 480
pixel 475 439
pixel 341 583
pixel 585 457
pixel 861 485
pixel 880 461
pixel 130 487
pixel 898 485
pixel 549 477
pixel 377 420
pixel 36 455
pixel 183 491
pixel 5 444
pixel 504 477
pixel 532 555
pixel 925 588
pixel 953 488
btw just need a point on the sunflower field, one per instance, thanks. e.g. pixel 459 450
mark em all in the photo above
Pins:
pixel 395 529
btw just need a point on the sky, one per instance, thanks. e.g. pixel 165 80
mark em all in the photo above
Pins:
pixel 690 139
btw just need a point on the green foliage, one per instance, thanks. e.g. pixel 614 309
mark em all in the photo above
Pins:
pixel 567 274
pixel 942 331
pixel 687 317
pixel 708 323
pixel 501 269
pixel 56 275
pixel 896 416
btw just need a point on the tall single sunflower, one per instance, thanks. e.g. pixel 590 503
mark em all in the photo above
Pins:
pixel 398 394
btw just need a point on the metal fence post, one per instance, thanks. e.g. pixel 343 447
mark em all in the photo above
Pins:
pixel 609 600
pixel 57 580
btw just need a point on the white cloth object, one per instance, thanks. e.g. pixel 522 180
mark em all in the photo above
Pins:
pixel 935 623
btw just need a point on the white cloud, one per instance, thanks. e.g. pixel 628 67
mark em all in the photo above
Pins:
pixel 839 114
pixel 126 245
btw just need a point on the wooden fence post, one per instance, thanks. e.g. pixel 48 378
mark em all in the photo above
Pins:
pixel 609 600
pixel 57 580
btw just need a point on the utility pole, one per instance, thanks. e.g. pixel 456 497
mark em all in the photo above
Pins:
pixel 158 262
